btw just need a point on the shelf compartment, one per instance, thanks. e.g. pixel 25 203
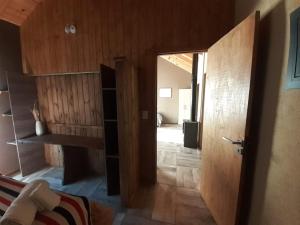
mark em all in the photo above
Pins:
pixel 3 91
pixel 8 113
pixel 112 176
pixel 110 105
pixel 14 142
pixel 109 89
pixel 108 77
pixel 111 138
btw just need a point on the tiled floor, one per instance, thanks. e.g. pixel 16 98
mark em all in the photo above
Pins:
pixel 176 165
pixel 176 198
pixel 94 187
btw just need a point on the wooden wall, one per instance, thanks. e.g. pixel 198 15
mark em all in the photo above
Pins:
pixel 71 104
pixel 136 29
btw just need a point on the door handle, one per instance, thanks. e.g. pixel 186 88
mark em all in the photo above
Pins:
pixel 240 143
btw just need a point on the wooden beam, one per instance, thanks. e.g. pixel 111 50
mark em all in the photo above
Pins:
pixel 181 61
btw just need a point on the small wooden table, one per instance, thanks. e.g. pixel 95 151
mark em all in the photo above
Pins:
pixel 74 152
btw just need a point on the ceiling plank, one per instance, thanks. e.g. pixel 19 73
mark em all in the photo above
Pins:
pixel 183 61
pixel 3 5
pixel 17 11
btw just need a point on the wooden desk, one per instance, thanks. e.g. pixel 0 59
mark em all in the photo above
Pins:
pixel 75 154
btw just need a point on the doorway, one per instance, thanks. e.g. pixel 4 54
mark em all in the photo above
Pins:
pixel 180 88
pixel 228 138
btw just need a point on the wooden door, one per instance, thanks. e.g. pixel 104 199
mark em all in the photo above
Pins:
pixel 128 129
pixel 228 94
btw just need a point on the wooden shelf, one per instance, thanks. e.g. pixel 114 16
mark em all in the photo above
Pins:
pixel 66 140
pixel 109 89
pixel 3 91
pixel 112 156
pixel 14 142
pixel 110 120
pixel 8 113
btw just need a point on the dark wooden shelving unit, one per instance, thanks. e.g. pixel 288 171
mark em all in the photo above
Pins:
pixel 17 121
pixel 109 96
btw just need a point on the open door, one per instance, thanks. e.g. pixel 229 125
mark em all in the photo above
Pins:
pixel 228 95
pixel 128 129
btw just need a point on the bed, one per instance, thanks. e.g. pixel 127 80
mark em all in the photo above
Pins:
pixel 73 210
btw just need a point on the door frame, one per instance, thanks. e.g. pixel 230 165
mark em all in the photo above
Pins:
pixel 156 55
pixel 247 171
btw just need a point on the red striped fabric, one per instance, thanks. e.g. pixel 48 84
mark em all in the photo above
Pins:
pixel 76 206
pixel 12 182
pixel 5 201
pixel 47 217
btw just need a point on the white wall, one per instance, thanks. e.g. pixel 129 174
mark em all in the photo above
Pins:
pixel 170 76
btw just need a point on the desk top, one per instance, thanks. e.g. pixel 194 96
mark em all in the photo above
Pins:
pixel 66 140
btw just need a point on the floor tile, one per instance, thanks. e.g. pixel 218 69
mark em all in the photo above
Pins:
pixel 189 197
pixel 188 215
pixel 188 162
pixel 166 158
pixel 136 220
pixel 166 175
pixel 188 177
pixel 164 204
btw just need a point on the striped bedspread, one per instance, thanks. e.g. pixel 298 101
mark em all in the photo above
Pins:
pixel 73 210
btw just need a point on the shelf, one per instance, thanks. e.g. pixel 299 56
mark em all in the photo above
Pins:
pixel 3 91
pixel 8 113
pixel 14 142
pixel 112 156
pixel 66 140
pixel 109 89
pixel 110 120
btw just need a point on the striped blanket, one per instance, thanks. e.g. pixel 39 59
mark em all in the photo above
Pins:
pixel 73 210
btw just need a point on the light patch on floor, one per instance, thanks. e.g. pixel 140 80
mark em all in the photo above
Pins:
pixel 176 165
pixel 170 133
pixel 176 198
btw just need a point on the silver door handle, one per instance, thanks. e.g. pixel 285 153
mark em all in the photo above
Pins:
pixel 238 142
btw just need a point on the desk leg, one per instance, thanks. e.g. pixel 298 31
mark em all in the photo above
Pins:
pixel 75 163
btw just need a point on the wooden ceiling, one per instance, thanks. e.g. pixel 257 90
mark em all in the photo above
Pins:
pixel 16 11
pixel 184 61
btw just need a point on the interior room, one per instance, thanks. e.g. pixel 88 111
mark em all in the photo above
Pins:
pixel 128 112
pixel 180 99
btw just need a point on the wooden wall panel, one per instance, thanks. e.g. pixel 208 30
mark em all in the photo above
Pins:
pixel 70 104
pixel 70 100
pixel 138 30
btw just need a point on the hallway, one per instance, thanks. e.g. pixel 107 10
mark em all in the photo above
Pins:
pixel 176 165
pixel 176 198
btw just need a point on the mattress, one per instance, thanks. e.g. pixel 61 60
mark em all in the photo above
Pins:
pixel 73 210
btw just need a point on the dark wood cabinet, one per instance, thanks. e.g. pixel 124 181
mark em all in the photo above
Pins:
pixel 121 129
pixel 110 119
pixel 17 95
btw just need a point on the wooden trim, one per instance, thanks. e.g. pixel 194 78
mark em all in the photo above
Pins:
pixel 62 74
